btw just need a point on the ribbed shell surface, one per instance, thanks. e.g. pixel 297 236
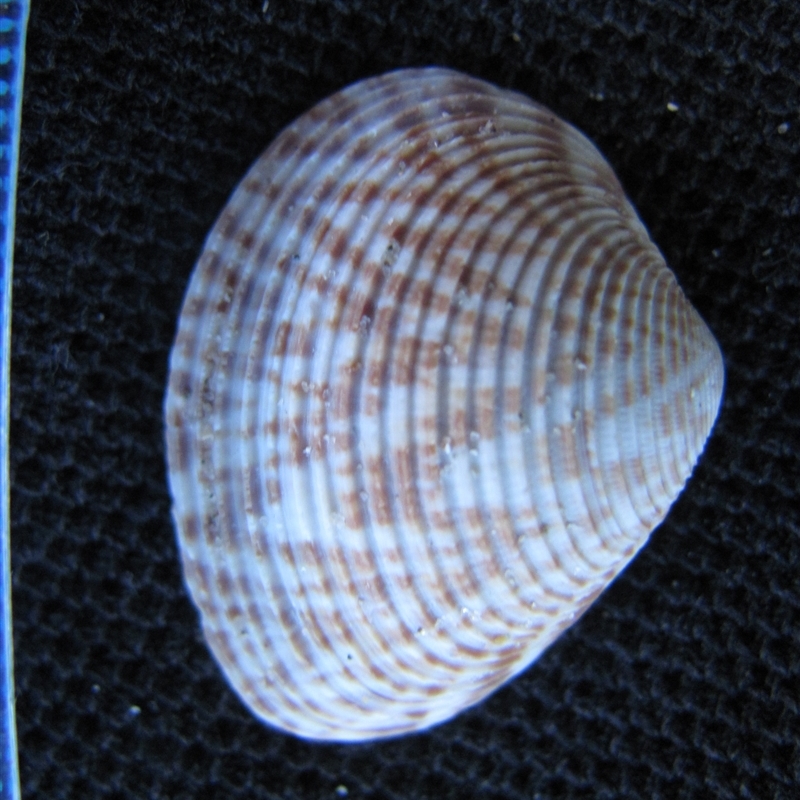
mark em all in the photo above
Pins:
pixel 433 386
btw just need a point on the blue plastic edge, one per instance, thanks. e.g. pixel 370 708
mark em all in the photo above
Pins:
pixel 13 25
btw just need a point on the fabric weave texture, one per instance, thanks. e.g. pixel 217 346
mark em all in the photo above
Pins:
pixel 138 121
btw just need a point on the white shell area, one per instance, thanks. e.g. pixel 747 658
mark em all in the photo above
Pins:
pixel 433 387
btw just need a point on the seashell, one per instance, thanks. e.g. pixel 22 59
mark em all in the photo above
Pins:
pixel 433 387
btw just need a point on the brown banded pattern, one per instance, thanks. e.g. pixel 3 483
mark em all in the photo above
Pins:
pixel 433 386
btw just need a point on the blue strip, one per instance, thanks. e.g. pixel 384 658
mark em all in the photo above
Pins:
pixel 13 23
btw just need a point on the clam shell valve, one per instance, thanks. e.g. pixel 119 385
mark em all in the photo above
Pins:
pixel 433 386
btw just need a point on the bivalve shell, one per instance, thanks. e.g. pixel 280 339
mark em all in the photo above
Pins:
pixel 433 387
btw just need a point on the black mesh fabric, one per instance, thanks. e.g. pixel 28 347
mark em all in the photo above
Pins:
pixel 139 118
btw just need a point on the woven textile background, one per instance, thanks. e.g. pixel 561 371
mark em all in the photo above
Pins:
pixel 682 681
